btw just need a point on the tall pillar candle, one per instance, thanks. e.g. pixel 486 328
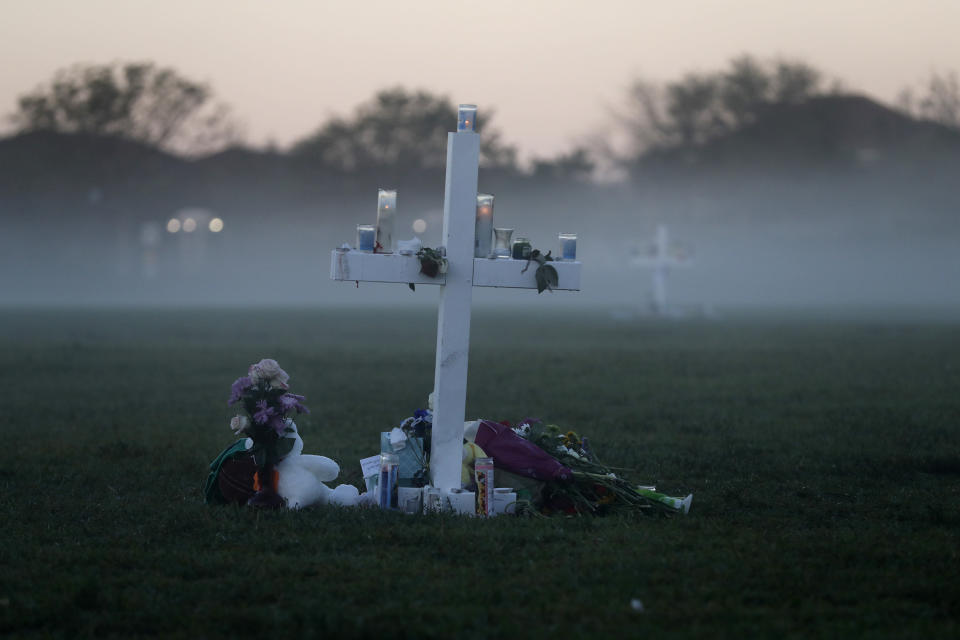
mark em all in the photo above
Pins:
pixel 386 212
pixel 484 228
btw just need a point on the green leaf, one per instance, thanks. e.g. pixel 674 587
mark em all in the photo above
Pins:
pixel 547 278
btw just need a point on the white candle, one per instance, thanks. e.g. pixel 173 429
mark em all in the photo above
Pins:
pixel 366 237
pixel 484 229
pixel 386 211
pixel 568 246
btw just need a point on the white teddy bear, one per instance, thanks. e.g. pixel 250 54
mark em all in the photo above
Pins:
pixel 301 477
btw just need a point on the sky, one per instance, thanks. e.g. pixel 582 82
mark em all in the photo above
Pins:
pixel 554 71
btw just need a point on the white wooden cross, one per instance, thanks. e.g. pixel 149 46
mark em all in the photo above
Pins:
pixel 464 272
pixel 660 258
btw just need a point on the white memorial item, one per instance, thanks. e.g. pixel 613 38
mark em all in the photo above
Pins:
pixel 386 213
pixel 484 230
pixel 461 501
pixel 301 477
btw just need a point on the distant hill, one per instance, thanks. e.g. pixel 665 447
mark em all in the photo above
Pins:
pixel 44 171
pixel 91 179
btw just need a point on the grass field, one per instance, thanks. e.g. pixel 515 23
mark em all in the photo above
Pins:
pixel 823 453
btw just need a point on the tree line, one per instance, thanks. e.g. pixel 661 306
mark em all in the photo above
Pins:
pixel 404 131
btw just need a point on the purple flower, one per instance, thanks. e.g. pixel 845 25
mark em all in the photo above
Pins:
pixel 239 386
pixel 264 414
pixel 278 424
pixel 292 401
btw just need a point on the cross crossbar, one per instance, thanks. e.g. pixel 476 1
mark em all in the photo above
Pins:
pixel 359 266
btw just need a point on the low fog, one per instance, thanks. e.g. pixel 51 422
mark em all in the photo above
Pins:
pixel 819 242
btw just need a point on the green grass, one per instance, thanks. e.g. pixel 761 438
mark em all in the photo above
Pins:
pixel 823 455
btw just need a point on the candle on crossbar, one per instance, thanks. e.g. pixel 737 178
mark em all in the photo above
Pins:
pixel 366 237
pixel 501 243
pixel 467 117
pixel 484 227
pixel 386 212
pixel 568 246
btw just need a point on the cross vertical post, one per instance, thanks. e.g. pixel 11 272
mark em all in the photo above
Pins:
pixel 661 257
pixel 456 297
pixel 464 271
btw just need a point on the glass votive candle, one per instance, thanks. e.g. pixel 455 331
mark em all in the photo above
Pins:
pixel 568 246
pixel 387 481
pixel 467 117
pixel 522 248
pixel 366 237
pixel 501 242
pixel 483 232
pixel 386 212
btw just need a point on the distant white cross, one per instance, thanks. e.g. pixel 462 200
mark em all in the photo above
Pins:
pixel 464 272
pixel 660 258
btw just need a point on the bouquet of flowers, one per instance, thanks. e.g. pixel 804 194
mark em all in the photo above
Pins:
pixel 594 488
pixel 264 395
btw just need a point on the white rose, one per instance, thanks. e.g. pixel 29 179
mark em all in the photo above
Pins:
pixel 239 425
pixel 267 370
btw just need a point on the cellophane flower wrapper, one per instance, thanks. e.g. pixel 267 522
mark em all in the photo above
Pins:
pixel 593 488
pixel 518 455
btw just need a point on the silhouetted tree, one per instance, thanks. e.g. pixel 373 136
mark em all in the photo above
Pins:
pixel 942 102
pixel 137 101
pixel 794 82
pixel 744 89
pixel 702 106
pixel 399 132
pixel 694 108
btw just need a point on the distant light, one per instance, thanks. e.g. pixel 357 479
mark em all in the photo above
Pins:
pixel 189 225
pixel 216 225
pixel 173 225
pixel 419 225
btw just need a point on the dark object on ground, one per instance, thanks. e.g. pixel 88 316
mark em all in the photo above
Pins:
pixel 236 479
